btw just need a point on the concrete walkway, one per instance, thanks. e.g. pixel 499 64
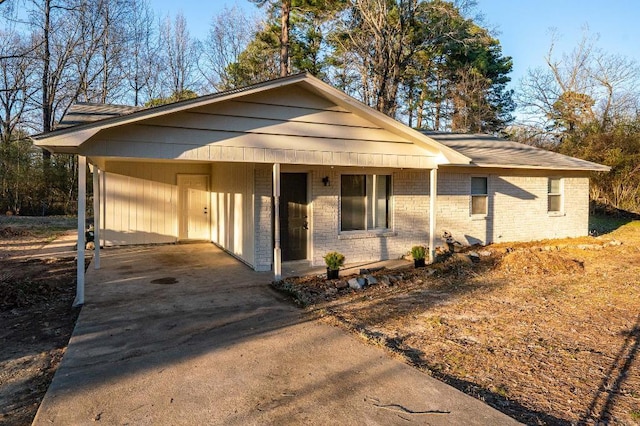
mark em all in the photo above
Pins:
pixel 185 334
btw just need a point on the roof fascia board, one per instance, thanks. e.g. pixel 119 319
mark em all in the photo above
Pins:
pixel 596 168
pixel 67 139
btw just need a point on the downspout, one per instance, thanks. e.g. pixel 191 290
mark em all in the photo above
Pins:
pixel 433 194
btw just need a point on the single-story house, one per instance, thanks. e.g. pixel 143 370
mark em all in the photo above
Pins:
pixel 293 168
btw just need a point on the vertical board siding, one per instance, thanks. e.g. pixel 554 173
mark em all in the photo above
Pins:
pixel 132 213
pixel 141 201
pixel 232 209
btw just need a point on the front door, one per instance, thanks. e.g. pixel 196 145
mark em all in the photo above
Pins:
pixel 194 207
pixel 294 223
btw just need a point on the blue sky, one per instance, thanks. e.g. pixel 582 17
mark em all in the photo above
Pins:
pixel 522 26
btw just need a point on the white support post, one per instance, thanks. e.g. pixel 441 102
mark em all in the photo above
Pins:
pixel 433 194
pixel 96 217
pixel 277 254
pixel 103 201
pixel 82 207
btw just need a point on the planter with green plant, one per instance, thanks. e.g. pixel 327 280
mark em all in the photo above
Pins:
pixel 334 261
pixel 418 253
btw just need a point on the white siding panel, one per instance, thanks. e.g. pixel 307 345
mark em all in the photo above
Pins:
pixel 141 201
pixel 133 216
pixel 285 126
pixel 232 207
pixel 249 124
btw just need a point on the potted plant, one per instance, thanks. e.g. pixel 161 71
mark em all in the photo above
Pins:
pixel 418 253
pixel 334 261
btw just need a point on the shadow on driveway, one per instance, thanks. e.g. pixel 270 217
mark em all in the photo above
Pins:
pixel 186 334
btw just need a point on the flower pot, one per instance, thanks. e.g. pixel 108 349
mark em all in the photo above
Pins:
pixel 418 263
pixel 332 274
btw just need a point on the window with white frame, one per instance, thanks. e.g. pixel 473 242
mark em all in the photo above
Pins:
pixel 479 195
pixel 364 202
pixel 554 195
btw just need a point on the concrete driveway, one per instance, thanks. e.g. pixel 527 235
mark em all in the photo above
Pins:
pixel 186 334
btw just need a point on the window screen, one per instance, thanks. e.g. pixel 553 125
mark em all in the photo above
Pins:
pixel 479 195
pixel 554 196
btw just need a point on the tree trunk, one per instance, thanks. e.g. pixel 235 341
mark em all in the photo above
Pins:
pixel 284 39
pixel 420 109
pixel 46 101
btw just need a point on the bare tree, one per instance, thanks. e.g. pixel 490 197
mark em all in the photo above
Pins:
pixel 16 82
pixel 585 85
pixel 224 44
pixel 180 55
pixel 140 62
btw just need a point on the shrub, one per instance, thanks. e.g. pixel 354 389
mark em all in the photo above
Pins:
pixel 418 252
pixel 334 260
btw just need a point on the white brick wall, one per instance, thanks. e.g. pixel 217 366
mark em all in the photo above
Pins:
pixel 263 225
pixel 517 207
pixel 517 212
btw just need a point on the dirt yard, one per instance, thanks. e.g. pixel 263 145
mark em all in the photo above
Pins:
pixel 547 332
pixel 35 312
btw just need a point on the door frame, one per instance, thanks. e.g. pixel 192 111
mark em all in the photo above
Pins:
pixel 182 215
pixel 310 176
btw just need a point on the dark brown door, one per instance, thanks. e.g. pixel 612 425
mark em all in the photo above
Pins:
pixel 293 216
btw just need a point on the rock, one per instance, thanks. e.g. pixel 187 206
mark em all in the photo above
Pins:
pixel 371 280
pixel 430 272
pixel 384 279
pixel 354 283
pixel 341 284
pixel 371 270
pixel 361 281
pixel 484 253
pixel 615 243
pixel 474 256
pixel 589 247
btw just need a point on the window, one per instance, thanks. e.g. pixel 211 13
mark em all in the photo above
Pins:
pixel 479 195
pixel 554 195
pixel 364 202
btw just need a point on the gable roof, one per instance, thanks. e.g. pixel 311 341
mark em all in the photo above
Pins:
pixel 69 139
pixel 490 151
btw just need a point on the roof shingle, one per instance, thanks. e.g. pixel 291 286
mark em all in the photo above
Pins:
pixel 81 113
pixel 490 151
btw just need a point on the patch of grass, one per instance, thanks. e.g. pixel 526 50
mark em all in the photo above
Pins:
pixel 635 414
pixel 606 224
pixel 44 227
